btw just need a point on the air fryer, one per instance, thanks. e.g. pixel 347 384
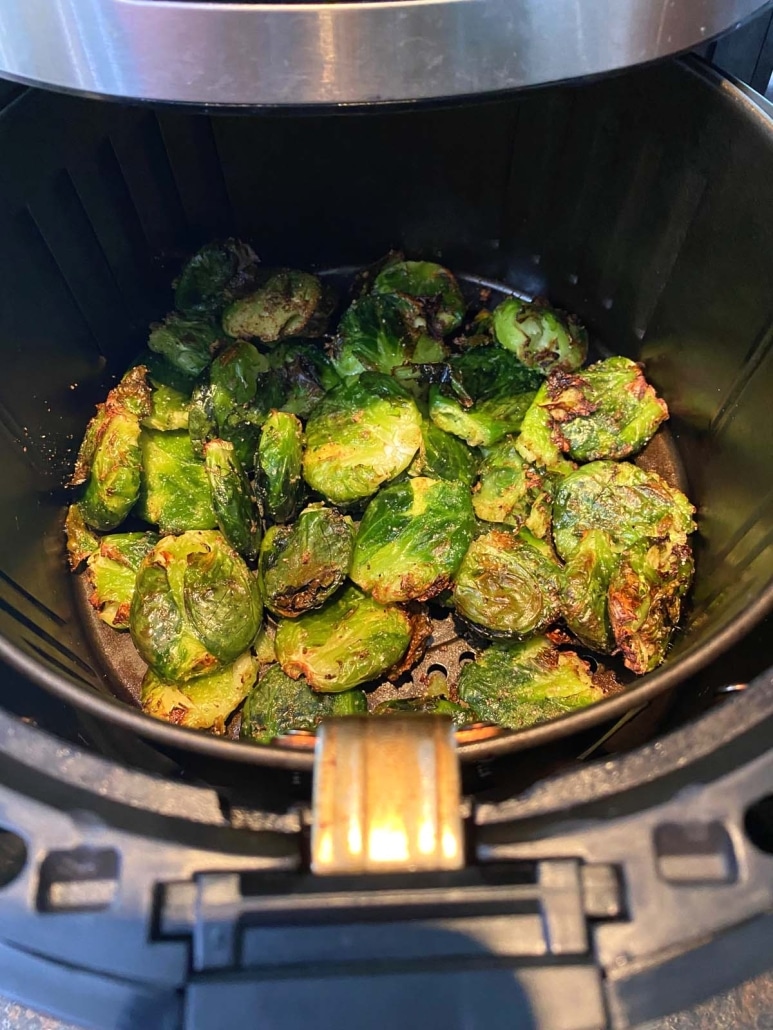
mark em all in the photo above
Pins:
pixel 642 202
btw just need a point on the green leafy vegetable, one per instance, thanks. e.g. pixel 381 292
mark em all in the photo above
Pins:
pixel 279 462
pixel 511 491
pixel 232 498
pixel 112 570
pixel 539 336
pixel 283 306
pixel 175 493
pixel 204 703
pixel 433 285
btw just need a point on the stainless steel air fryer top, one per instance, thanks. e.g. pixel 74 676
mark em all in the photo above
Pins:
pixel 303 53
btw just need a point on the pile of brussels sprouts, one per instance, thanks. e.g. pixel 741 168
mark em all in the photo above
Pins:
pixel 318 486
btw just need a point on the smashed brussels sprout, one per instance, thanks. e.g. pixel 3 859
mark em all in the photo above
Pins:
pixel 587 575
pixel 307 374
pixel 437 289
pixel 175 493
pixel 168 409
pixel 196 606
pixel 283 306
pixel 279 704
pixel 213 275
pixel 81 542
pixel 204 703
pixel 304 564
pixel 606 411
pixel 380 332
pixel 508 584
pixel 364 433
pixel 539 336
pixel 232 498
pixel 412 538
pixel 511 491
pixel 442 456
pixel 278 464
pixel 460 714
pixel 352 640
pixel 112 570
pixel 518 685
pixel 187 342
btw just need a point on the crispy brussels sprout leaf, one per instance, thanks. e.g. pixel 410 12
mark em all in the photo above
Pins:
pixel 539 336
pixel 628 503
pixel 263 646
pixel 507 585
pixel 307 374
pixel 278 704
pixel 211 276
pixel 586 579
pixel 380 332
pixel 412 538
pixel 202 424
pixel 442 456
pixel 114 481
pixel 364 433
pixel 196 606
pixel 645 597
pixel 187 342
pixel 501 388
pixel 606 411
pixel 304 564
pixel 81 542
pixel 278 464
pixel 352 640
pixel 203 704
pixel 283 306
pixel 429 283
pixel 162 373
pixel 460 714
pixel 168 409
pixel 175 493
pixel 113 570
pixel 232 498
pixel 511 491
pixel 518 685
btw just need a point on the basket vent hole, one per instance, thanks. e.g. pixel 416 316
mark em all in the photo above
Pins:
pixel 758 823
pixel 437 670
pixel 466 657
pixel 13 856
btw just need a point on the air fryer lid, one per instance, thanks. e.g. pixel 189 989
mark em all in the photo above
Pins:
pixel 268 53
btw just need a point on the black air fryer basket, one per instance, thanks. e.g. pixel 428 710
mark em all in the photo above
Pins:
pixel 642 202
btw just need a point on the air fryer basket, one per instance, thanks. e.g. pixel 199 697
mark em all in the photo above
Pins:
pixel 642 202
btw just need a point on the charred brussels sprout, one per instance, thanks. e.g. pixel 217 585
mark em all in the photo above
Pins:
pixel 175 493
pixel 501 388
pixel 109 460
pixel 278 464
pixel 431 284
pixel 188 343
pixel 232 498
pixel 508 585
pixel 606 411
pixel 244 389
pixel 278 704
pixel 307 375
pixel 442 456
pixel 168 409
pixel 283 306
pixel 460 714
pixel 213 275
pixel 202 425
pixel 113 570
pixel 364 433
pixel 81 542
pixel 378 333
pixel 304 564
pixel 206 702
pixel 412 538
pixel 518 685
pixel 539 336
pixel 511 491
pixel 629 504
pixel 196 606
pixel 586 579
pixel 352 640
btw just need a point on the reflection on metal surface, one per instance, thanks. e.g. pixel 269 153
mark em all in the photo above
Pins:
pixel 386 796
pixel 333 53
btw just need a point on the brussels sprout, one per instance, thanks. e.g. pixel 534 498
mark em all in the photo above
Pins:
pixel 278 704
pixel 307 374
pixel 432 284
pixel 412 538
pixel 442 456
pixel 606 411
pixel 502 390
pixel 187 342
pixel 112 570
pixel 202 424
pixel 175 492
pixel 364 433
pixel 206 702
pixel 511 491
pixel 212 275
pixel 232 498
pixel 282 306
pixel 168 409
pixel 263 646
pixel 645 597
pixel 81 542
pixel 352 640
pixel 304 564
pixel 460 714
pixel 586 580
pixel 378 333
pixel 508 584
pixel 631 505
pixel 162 373
pixel 278 464
pixel 244 390
pixel 518 685
pixel 539 336
pixel 196 606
